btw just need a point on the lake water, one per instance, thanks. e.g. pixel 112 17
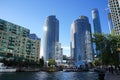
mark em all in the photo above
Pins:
pixel 49 76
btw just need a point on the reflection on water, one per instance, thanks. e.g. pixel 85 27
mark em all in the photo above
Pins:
pixel 49 76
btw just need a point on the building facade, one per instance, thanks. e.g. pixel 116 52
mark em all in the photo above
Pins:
pixel 110 23
pixel 15 42
pixel 114 6
pixel 81 45
pixel 51 36
pixel 96 21
pixel 58 53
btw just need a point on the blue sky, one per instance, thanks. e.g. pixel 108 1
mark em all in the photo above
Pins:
pixel 32 15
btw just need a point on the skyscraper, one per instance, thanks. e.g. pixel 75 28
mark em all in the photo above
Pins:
pixel 97 26
pixel 115 14
pixel 96 21
pixel 51 36
pixel 110 23
pixel 81 45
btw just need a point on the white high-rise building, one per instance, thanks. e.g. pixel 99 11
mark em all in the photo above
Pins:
pixel 58 53
pixel 115 14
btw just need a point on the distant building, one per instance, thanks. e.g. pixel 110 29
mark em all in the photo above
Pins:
pixel 58 53
pixel 33 36
pixel 70 62
pixel 51 36
pixel 97 26
pixel 15 42
pixel 96 21
pixel 115 14
pixel 81 45
pixel 64 57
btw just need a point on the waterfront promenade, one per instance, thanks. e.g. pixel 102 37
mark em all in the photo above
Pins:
pixel 110 76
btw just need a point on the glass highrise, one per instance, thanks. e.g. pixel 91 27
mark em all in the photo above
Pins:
pixel 96 21
pixel 96 25
pixel 81 45
pixel 51 36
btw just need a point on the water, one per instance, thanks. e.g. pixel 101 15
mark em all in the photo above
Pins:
pixel 49 76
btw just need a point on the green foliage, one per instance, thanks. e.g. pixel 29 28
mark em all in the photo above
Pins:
pixel 41 62
pixel 99 40
pixel 51 62
pixel 107 45
pixel 113 32
pixel 97 62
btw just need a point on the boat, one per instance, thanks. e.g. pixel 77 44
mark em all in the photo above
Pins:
pixel 5 69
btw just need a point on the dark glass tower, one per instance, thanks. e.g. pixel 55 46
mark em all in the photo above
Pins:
pixel 51 36
pixel 81 45
pixel 97 26
pixel 96 21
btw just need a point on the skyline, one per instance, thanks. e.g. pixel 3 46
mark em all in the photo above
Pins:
pixel 32 15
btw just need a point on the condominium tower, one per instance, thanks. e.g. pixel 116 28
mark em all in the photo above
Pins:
pixel 51 36
pixel 96 21
pixel 16 43
pixel 81 45
pixel 115 14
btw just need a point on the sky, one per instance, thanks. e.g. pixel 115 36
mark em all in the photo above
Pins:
pixel 32 14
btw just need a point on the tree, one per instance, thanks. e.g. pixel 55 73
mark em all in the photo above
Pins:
pixel 41 62
pixel 99 40
pixel 107 45
pixel 51 62
pixel 97 62
pixel 113 45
